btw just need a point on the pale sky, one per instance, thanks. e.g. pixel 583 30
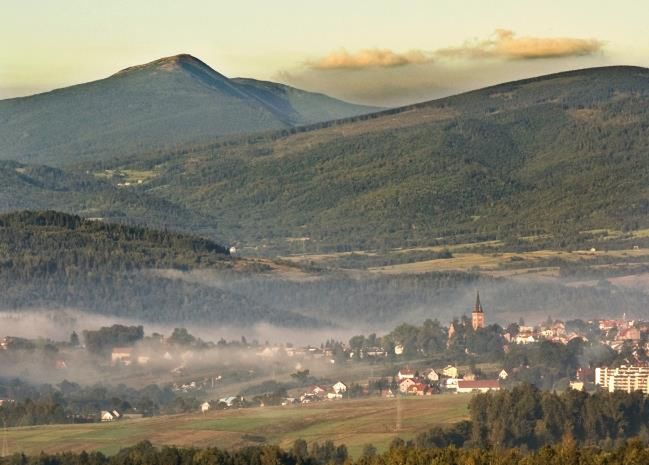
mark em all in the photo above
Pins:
pixel 373 51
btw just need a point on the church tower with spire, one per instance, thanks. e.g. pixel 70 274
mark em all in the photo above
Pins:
pixel 477 316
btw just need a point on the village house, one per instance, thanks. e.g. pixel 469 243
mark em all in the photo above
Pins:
pixel 405 385
pixel 417 389
pixel 503 374
pixel 340 387
pixel 230 401
pixel 121 355
pixel 451 384
pixel 450 372
pixel 374 352
pixel 483 385
pixel 432 376
pixel 205 407
pixel 607 325
pixel 317 391
pixel 110 415
pixel 268 352
pixel 337 391
pixel 577 385
pixel 628 334
pixel 406 373
pixel 525 338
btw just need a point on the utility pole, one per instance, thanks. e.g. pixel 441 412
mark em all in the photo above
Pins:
pixel 399 413
pixel 5 446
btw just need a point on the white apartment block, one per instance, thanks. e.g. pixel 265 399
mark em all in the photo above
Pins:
pixel 624 378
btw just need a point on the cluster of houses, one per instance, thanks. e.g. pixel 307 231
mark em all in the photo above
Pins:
pixel 411 382
pixel 317 393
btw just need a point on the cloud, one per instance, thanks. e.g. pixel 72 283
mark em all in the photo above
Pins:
pixel 384 77
pixel 369 58
pixel 503 44
pixel 506 45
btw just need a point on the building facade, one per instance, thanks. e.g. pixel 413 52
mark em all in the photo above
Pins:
pixel 624 378
pixel 477 316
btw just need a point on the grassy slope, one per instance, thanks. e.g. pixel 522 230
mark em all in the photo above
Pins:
pixel 354 423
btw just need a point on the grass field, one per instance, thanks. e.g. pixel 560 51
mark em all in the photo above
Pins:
pixel 352 422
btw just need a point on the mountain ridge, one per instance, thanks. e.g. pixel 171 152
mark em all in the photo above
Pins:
pixel 167 102
pixel 541 156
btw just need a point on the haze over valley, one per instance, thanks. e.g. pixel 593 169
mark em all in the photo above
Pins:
pixel 324 234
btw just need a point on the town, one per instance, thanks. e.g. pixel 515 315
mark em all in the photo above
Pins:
pixel 465 357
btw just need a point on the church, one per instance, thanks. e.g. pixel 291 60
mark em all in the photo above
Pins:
pixel 477 315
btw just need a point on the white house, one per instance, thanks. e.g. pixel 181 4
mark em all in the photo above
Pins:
pixel 405 373
pixel 107 415
pixel 451 383
pixel 432 376
pixel 340 387
pixel 503 374
pixel 229 401
pixel 405 385
pixel 525 338
pixel 121 355
pixel 205 407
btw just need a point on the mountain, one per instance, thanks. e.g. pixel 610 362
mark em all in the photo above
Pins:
pixel 164 104
pixel 555 155
pixel 52 260
pixel 551 157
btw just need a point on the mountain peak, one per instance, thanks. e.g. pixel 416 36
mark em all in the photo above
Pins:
pixel 169 63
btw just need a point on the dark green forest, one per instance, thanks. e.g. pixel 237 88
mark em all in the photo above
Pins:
pixel 543 156
pixel 557 156
pixel 55 260
pixel 566 453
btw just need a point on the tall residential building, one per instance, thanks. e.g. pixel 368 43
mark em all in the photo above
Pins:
pixel 624 378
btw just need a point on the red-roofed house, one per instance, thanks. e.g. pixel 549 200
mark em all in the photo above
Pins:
pixel 417 389
pixel 481 385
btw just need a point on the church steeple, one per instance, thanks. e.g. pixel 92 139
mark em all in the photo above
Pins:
pixel 478 305
pixel 477 316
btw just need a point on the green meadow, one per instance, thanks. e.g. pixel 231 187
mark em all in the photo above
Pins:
pixel 352 422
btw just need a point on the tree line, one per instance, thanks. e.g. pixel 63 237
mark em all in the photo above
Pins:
pixel 399 453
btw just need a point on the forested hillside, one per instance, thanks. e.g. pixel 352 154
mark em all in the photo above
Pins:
pixel 55 260
pixel 557 154
pixel 554 155
pixel 39 187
